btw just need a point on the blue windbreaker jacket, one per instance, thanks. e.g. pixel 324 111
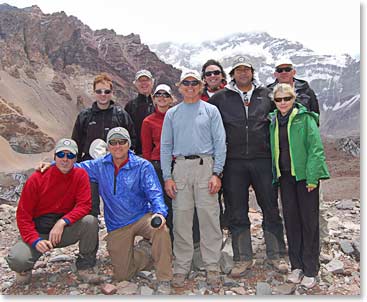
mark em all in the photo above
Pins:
pixel 127 197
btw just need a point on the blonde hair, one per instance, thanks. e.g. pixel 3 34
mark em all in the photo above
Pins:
pixel 285 88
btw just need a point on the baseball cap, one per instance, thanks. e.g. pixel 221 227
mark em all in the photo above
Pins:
pixel 118 132
pixel 98 148
pixel 190 73
pixel 283 61
pixel 143 73
pixel 163 87
pixel 241 61
pixel 66 144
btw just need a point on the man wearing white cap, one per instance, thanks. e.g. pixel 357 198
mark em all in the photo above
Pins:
pixel 53 212
pixel 244 106
pixel 284 73
pixel 194 135
pixel 142 105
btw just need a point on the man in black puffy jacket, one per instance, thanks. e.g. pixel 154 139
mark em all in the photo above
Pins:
pixel 140 107
pixel 284 73
pixel 244 106
pixel 95 122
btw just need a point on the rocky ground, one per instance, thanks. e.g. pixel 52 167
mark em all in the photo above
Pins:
pixel 55 273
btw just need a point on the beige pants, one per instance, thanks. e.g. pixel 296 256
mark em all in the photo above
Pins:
pixel 192 178
pixel 127 260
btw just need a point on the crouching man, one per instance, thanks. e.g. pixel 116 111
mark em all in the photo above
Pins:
pixel 132 197
pixel 53 212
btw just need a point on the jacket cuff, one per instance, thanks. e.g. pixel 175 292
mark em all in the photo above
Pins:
pixel 311 185
pixel 35 242
pixel 67 221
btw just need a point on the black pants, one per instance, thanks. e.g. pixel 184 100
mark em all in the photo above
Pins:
pixel 301 217
pixel 238 176
pixel 167 200
pixel 95 199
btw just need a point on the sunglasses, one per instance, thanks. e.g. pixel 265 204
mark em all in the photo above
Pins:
pixel 285 99
pixel 121 142
pixel 103 91
pixel 190 83
pixel 286 69
pixel 62 154
pixel 215 72
pixel 164 94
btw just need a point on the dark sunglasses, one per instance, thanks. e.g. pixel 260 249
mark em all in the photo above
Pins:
pixel 103 91
pixel 209 73
pixel 165 95
pixel 286 69
pixel 121 142
pixel 190 83
pixel 285 99
pixel 62 154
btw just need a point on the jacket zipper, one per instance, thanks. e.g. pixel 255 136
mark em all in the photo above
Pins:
pixel 114 184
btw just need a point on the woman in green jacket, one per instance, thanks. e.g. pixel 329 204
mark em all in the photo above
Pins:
pixel 298 165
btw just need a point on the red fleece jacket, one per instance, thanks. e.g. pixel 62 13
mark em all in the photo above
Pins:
pixel 151 131
pixel 53 192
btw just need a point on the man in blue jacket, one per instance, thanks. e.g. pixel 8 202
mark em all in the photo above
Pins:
pixel 132 196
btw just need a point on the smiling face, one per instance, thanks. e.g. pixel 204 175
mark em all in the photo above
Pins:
pixel 283 101
pixel 213 76
pixel 103 94
pixel 243 76
pixel 191 88
pixel 118 148
pixel 285 74
pixel 163 100
pixel 144 85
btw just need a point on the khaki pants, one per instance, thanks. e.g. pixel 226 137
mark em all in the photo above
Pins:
pixel 22 257
pixel 192 178
pixel 127 260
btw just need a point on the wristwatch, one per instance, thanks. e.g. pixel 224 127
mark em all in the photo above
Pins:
pixel 219 175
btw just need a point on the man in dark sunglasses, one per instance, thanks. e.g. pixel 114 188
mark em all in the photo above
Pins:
pixel 214 77
pixel 53 213
pixel 95 122
pixel 285 73
pixel 194 135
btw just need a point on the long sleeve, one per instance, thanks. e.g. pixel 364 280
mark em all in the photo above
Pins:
pixel 146 140
pixel 24 216
pixel 167 146
pixel 218 134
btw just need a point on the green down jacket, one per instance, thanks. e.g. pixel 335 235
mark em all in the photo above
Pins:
pixel 305 145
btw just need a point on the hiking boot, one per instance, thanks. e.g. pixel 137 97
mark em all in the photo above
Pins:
pixel 295 276
pixel 309 282
pixel 240 268
pixel 280 265
pixel 23 277
pixel 163 288
pixel 85 262
pixel 178 280
pixel 213 279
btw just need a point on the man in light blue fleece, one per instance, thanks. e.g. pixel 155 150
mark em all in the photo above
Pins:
pixel 193 134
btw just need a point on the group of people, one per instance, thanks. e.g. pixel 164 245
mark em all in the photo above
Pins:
pixel 174 162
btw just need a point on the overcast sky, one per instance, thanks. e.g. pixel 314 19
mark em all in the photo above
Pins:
pixel 325 26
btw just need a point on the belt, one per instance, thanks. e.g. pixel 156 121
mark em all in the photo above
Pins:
pixel 192 157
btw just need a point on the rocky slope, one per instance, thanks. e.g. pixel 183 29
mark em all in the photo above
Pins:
pixel 47 66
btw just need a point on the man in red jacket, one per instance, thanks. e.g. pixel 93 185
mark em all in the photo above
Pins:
pixel 53 212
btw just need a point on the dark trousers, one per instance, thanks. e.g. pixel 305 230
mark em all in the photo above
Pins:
pixel 95 199
pixel 301 217
pixel 238 176
pixel 167 200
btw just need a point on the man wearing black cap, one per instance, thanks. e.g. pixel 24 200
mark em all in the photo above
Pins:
pixel 244 106
pixel 53 212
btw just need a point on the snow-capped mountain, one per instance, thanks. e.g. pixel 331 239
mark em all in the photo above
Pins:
pixel 335 78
